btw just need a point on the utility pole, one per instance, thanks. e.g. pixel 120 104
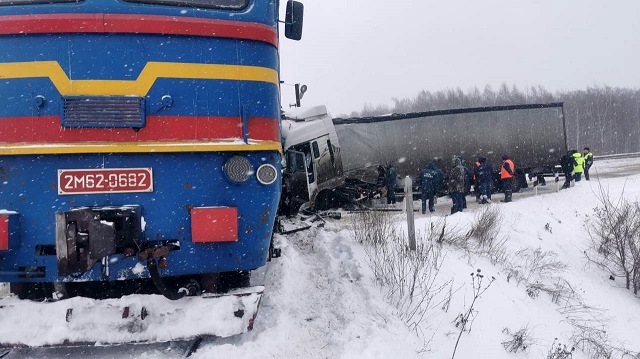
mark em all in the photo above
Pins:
pixel 297 95
pixel 300 90
pixel 408 201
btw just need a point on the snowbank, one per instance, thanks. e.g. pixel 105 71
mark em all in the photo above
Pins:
pixel 322 300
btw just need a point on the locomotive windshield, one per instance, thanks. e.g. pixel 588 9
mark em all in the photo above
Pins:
pixel 27 2
pixel 212 4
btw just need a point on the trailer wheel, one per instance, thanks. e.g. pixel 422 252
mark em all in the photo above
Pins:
pixel 516 186
pixel 519 181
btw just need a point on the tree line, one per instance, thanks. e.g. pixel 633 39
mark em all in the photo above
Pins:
pixel 606 119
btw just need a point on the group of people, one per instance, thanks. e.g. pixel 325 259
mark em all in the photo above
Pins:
pixel 431 180
pixel 574 164
pixel 482 177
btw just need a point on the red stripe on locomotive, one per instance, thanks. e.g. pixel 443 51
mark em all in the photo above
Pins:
pixel 4 232
pixel 47 129
pixel 135 24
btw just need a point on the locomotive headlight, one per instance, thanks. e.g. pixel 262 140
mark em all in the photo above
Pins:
pixel 238 169
pixel 266 174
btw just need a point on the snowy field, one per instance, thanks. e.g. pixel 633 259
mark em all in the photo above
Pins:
pixel 322 300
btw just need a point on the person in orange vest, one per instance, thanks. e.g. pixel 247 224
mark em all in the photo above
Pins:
pixel 507 170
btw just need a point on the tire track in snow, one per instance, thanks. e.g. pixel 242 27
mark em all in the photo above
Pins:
pixel 317 304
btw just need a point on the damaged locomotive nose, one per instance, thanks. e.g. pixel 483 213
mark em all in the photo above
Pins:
pixel 86 235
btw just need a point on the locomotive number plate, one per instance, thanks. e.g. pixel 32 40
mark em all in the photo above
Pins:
pixel 118 180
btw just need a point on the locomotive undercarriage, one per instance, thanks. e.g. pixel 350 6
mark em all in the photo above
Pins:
pixel 87 238
pixel 190 285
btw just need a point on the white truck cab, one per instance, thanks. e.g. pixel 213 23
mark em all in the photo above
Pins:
pixel 313 165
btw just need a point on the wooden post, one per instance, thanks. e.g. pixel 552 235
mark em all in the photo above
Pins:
pixel 408 200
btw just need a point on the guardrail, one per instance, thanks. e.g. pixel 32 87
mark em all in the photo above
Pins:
pixel 618 155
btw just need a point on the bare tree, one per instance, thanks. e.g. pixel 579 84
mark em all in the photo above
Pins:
pixel 616 238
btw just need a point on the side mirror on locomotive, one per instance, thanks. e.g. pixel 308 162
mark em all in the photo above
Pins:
pixel 293 20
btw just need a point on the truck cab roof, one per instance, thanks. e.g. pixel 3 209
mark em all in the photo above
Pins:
pixel 306 124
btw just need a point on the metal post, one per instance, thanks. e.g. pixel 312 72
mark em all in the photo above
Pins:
pixel 408 200
pixel 556 174
pixel 297 95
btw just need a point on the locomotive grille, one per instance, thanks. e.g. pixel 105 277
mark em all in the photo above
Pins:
pixel 103 112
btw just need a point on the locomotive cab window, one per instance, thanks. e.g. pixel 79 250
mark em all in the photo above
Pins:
pixel 210 4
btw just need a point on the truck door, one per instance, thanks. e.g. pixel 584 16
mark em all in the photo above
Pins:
pixel 297 177
pixel 325 161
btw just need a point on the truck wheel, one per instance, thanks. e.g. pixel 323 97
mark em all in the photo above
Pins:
pixel 324 200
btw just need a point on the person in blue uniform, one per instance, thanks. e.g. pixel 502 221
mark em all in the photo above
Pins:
pixel 430 181
pixel 392 176
pixel 485 180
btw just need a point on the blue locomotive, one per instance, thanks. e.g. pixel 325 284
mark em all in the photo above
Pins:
pixel 139 143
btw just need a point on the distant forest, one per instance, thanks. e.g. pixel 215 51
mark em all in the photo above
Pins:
pixel 606 119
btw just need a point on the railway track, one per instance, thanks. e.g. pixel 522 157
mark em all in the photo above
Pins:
pixel 174 349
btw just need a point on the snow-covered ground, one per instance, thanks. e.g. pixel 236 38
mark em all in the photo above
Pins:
pixel 322 301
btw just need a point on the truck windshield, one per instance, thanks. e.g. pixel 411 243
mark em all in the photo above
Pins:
pixel 211 4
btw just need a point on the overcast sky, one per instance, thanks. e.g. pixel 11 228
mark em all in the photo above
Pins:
pixel 370 51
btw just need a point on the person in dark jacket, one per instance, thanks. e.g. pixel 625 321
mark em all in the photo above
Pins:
pixel 476 179
pixel 507 172
pixel 382 176
pixel 468 179
pixel 588 161
pixel 430 181
pixel 457 185
pixel 485 179
pixel 392 176
pixel 566 162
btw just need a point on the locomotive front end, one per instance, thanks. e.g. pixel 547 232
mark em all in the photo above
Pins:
pixel 140 142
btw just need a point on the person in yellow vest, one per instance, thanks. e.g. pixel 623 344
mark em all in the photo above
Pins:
pixel 507 171
pixel 578 166
pixel 588 161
